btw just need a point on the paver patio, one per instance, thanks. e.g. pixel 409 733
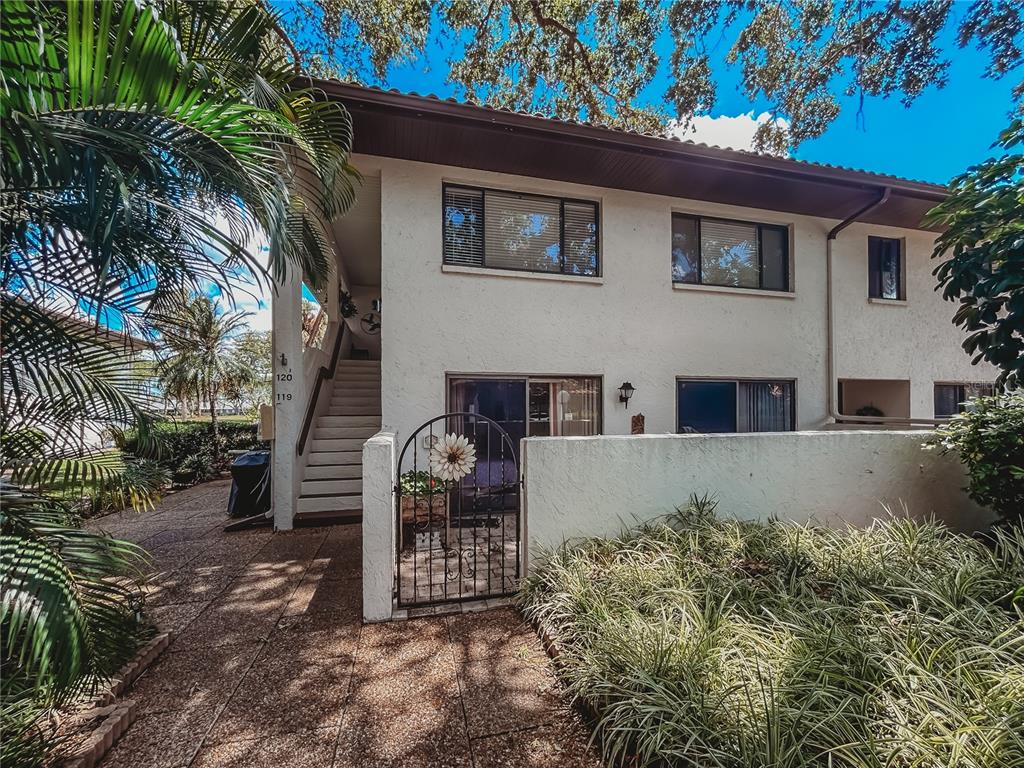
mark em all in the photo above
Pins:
pixel 272 666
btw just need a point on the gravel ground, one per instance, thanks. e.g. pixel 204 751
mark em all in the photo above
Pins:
pixel 272 666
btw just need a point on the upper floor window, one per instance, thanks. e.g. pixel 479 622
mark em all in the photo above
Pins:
pixel 532 233
pixel 729 253
pixel 951 399
pixel 885 268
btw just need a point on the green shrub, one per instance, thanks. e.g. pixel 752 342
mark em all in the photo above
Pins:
pixel 701 641
pixel 185 448
pixel 989 439
pixel 421 483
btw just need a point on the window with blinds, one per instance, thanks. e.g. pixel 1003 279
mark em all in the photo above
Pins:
pixel 533 233
pixel 951 399
pixel 885 269
pixel 735 254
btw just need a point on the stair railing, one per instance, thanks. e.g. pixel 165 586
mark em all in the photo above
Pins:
pixel 323 373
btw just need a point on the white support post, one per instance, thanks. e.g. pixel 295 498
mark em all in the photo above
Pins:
pixel 378 526
pixel 289 393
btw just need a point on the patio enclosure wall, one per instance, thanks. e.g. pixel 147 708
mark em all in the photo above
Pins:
pixel 596 486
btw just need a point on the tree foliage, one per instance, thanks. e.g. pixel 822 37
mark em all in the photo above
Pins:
pixel 253 350
pixel 196 353
pixel 146 145
pixel 599 61
pixel 981 248
pixel 69 617
pixel 989 439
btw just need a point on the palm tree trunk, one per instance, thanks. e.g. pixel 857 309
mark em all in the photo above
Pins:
pixel 212 392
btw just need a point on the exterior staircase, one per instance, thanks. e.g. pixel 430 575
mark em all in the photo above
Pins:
pixel 332 486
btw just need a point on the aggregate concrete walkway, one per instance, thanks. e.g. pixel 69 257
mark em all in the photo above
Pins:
pixel 272 667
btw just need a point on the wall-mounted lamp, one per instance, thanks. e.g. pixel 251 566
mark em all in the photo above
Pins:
pixel 625 392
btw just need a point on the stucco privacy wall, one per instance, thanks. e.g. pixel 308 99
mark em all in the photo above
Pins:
pixel 631 324
pixel 378 527
pixel 597 485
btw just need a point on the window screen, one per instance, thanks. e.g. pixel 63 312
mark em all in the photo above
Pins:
pixel 685 249
pixel 774 259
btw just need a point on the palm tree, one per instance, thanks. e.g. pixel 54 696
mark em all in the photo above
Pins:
pixel 145 146
pixel 198 344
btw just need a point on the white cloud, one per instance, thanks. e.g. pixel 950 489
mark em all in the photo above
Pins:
pixel 258 307
pixel 732 131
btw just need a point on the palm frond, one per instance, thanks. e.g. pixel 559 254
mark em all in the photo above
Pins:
pixel 68 610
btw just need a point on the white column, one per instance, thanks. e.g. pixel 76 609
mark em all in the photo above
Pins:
pixel 289 396
pixel 378 525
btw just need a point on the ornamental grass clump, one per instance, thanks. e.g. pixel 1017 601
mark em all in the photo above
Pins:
pixel 702 641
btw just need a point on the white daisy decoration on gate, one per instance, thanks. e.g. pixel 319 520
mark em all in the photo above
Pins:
pixel 452 457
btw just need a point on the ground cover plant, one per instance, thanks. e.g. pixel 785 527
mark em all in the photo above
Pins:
pixel 702 641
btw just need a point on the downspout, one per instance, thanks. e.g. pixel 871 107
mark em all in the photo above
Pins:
pixel 830 352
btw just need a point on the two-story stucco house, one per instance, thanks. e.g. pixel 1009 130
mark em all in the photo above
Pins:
pixel 525 269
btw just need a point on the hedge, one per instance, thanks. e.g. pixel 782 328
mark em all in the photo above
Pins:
pixel 185 448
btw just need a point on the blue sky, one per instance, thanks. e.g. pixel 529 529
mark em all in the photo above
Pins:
pixel 939 136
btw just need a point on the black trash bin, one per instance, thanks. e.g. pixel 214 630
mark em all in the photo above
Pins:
pixel 250 484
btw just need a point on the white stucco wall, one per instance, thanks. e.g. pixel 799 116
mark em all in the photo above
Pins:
pixel 290 394
pixel 598 485
pixel 631 324
pixel 378 526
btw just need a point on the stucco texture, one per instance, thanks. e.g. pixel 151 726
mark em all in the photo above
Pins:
pixel 599 485
pixel 632 324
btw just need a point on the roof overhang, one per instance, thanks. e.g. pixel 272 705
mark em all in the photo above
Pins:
pixel 430 130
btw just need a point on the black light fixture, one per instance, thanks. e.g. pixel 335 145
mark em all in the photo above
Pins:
pixel 625 392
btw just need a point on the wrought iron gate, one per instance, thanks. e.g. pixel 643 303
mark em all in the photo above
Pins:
pixel 457 512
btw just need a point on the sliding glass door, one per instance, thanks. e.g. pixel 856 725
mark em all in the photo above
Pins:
pixel 535 406
pixel 735 406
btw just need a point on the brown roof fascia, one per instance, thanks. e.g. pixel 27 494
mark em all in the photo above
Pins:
pixel 559 130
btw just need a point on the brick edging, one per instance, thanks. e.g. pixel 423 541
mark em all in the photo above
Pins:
pixel 103 737
pixel 130 672
pixel 96 745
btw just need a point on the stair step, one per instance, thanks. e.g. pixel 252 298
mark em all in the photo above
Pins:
pixel 355 410
pixel 350 375
pixel 330 487
pixel 342 444
pixel 355 400
pixel 343 433
pixel 350 420
pixel 330 503
pixel 319 458
pixel 333 472
pixel 358 385
pixel 336 517
pixel 356 363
